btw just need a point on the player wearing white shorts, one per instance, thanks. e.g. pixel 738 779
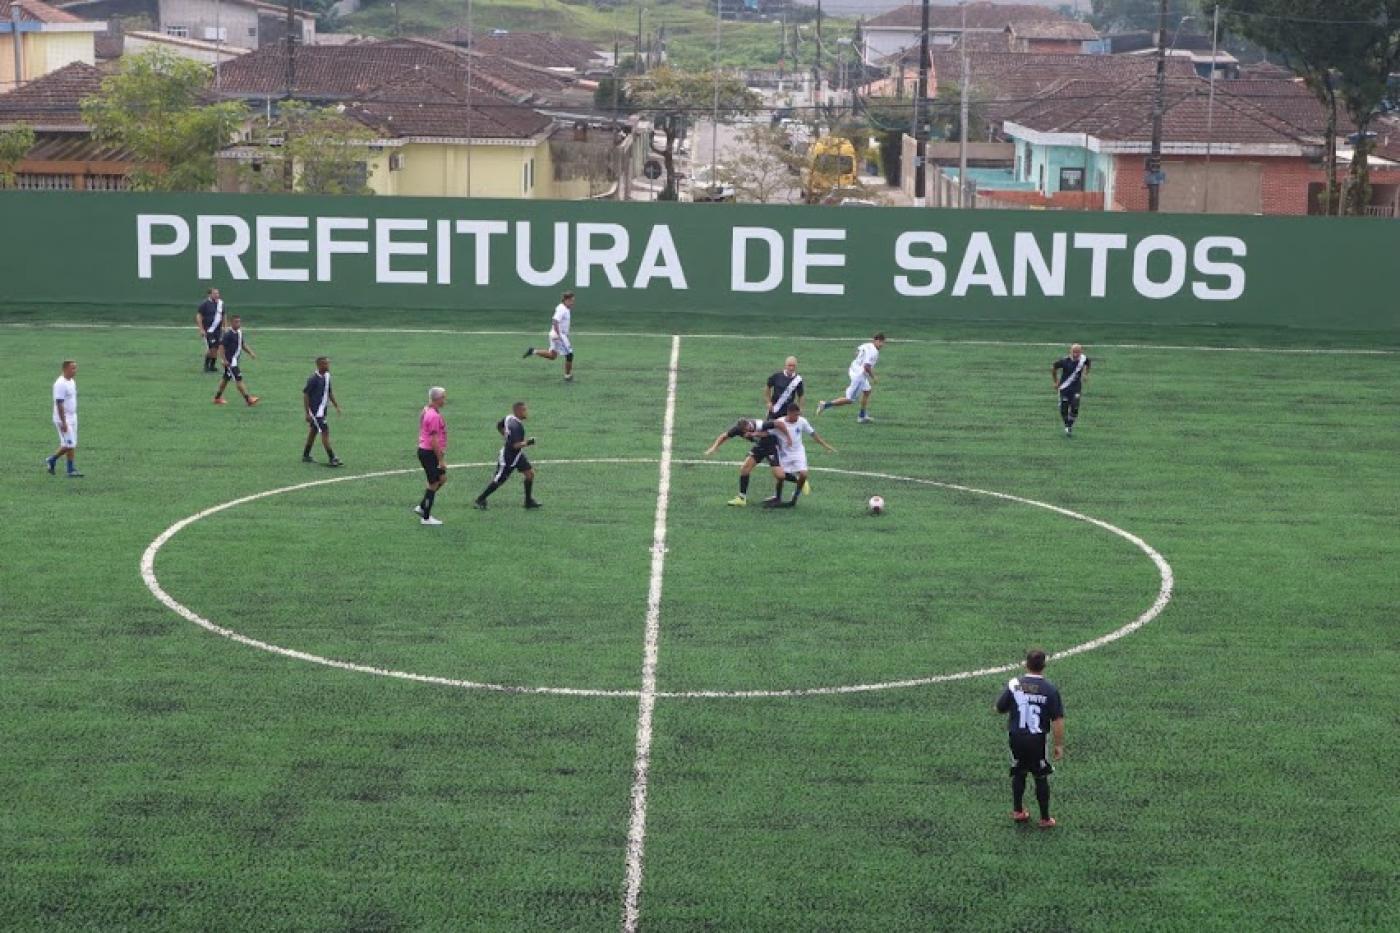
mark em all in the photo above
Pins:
pixel 559 342
pixel 862 373
pixel 792 456
pixel 65 418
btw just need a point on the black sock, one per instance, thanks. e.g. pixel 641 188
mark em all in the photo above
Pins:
pixel 1073 416
pixel 1064 413
pixel 490 488
pixel 743 484
pixel 529 488
pixel 1042 795
pixel 778 490
pixel 427 503
pixel 1018 791
pixel 330 453
pixel 798 491
pixel 306 451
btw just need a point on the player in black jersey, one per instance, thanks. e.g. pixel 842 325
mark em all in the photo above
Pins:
pixel 512 456
pixel 1031 703
pixel 210 321
pixel 765 448
pixel 314 398
pixel 1068 375
pixel 234 345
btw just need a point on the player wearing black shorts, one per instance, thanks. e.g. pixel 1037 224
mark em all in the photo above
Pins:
pixel 1068 375
pixel 1030 703
pixel 234 346
pixel 432 453
pixel 764 450
pixel 210 321
pixel 512 457
pixel 314 398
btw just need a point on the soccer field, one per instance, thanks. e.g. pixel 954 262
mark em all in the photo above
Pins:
pixel 460 731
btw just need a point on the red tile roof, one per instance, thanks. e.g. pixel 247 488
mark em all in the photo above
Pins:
pixel 426 103
pixel 346 72
pixel 1067 30
pixel 1005 82
pixel 541 49
pixel 53 100
pixel 979 16
pixel 36 11
pixel 1112 111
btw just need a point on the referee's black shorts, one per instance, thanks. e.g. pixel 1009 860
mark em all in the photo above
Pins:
pixel 1028 754
pixel 430 465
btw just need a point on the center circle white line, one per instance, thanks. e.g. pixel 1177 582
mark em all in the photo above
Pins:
pixel 148 575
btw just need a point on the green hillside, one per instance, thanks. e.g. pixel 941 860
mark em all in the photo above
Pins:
pixel 688 23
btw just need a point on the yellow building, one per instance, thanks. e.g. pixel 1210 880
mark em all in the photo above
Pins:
pixel 49 39
pixel 458 150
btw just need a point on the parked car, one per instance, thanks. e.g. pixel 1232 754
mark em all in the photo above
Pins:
pixel 710 184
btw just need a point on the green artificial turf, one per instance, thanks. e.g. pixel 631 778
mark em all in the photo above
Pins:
pixel 1230 766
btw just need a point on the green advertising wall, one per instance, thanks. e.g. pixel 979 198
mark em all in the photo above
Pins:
pixel 125 249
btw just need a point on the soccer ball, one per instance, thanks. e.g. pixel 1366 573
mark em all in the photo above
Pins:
pixel 876 505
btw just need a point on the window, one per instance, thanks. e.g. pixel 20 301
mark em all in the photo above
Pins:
pixel 252 32
pixel 215 34
pixel 178 32
pixel 527 175
pixel 1071 179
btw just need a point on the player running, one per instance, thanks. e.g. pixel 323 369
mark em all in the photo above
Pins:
pixel 234 346
pixel 65 418
pixel 1068 375
pixel 792 456
pixel 512 457
pixel 764 434
pixel 559 343
pixel 210 321
pixel 862 373
pixel 314 397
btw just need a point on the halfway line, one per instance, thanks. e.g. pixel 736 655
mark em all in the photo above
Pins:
pixel 646 703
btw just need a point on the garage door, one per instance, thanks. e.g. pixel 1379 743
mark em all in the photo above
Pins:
pixel 1235 188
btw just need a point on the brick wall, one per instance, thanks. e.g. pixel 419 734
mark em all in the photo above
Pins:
pixel 1284 185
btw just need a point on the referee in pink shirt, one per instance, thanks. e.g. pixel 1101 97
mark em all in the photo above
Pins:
pixel 432 452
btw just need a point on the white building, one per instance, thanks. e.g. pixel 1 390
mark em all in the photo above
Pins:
pixel 240 23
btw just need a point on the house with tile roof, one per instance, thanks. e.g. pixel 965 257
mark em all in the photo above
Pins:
pixel 1257 151
pixel 1035 28
pixel 37 39
pixel 64 156
pixel 448 121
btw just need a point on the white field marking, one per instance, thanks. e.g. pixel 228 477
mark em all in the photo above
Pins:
pixel 1163 597
pixel 646 702
pixel 148 574
pixel 441 331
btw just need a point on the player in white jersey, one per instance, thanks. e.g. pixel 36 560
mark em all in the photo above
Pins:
pixel 559 342
pixel 792 456
pixel 862 373
pixel 65 418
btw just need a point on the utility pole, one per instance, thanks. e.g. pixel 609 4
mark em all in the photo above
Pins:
pixel 288 168
pixel 1159 106
pixel 962 114
pixel 817 58
pixel 919 131
pixel 637 54
pixel 1210 106
pixel 714 124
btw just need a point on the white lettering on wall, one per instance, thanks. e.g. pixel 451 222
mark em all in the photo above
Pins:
pixel 146 246
pixel 559 265
pixel 739 280
pixel 979 268
pixel 1028 258
pixel 327 245
pixel 804 260
pixel 660 260
pixel 608 258
pixel 1146 286
pixel 1098 245
pixel 206 250
pixel 268 247
pixel 1233 272
pixel 904 258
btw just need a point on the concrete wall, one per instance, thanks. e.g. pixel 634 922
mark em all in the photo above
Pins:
pixel 240 23
pixel 42 53
pixel 148 249
pixel 1047 161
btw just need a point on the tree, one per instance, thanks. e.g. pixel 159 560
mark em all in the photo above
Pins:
pixel 1344 64
pixel 156 108
pixel 762 166
pixel 329 151
pixel 672 98
pixel 15 143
